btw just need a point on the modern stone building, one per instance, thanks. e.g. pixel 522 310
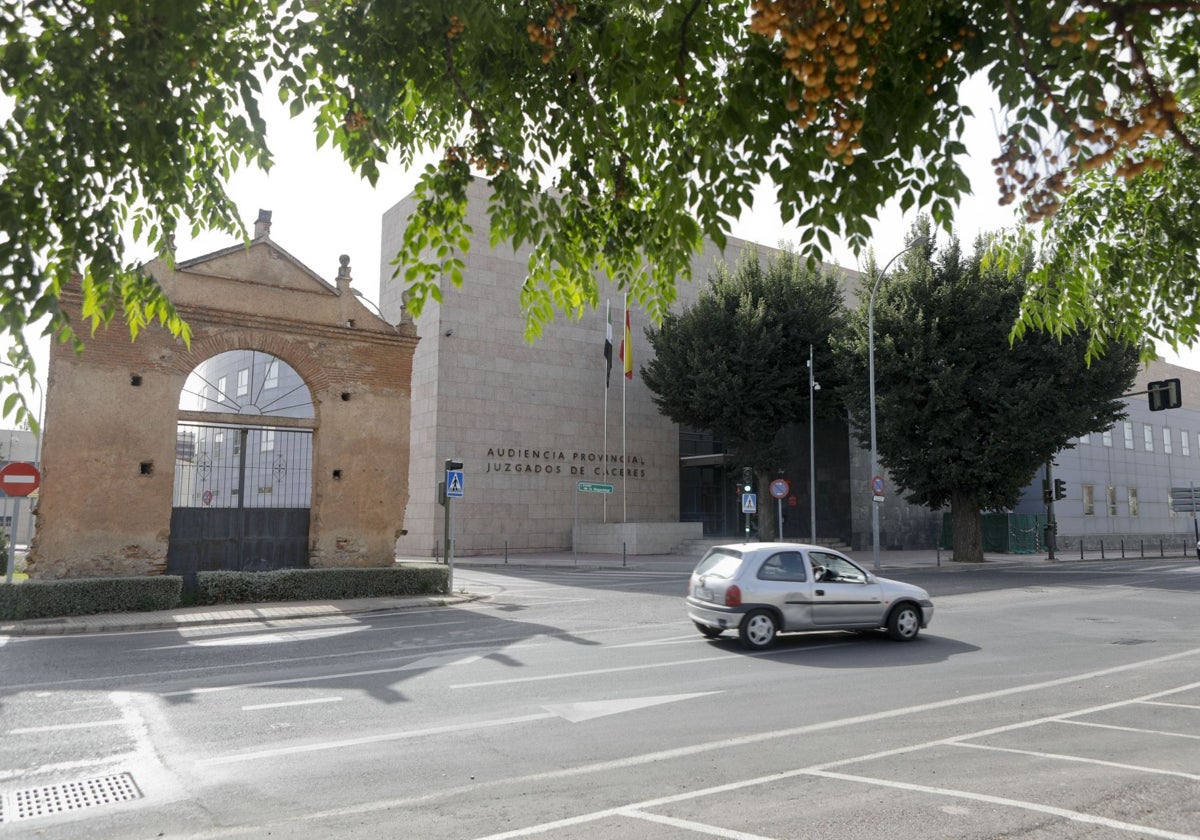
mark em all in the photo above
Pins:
pixel 531 421
pixel 277 437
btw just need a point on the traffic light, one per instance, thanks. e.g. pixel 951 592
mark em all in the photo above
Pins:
pixel 747 479
pixel 1060 489
pixel 1047 496
pixel 1164 394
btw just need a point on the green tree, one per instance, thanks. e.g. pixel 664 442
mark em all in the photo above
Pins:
pixel 736 362
pixel 963 417
pixel 617 135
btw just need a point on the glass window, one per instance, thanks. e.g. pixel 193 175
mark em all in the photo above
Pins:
pixel 1128 434
pixel 1107 437
pixel 1166 440
pixel 1185 444
pixel 271 380
pixel 1085 439
pixel 786 565
pixel 283 392
pixel 1089 500
pixel 1133 502
pixel 1148 437
pixel 222 383
pixel 1112 501
pixel 266 442
pixel 218 444
pixel 243 386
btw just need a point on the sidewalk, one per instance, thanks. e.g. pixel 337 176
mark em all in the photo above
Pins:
pixel 890 563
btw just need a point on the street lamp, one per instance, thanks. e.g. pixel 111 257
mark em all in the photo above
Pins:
pixel 813 387
pixel 916 243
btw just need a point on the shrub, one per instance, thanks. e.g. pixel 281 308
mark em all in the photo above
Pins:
pixel 318 584
pixel 87 596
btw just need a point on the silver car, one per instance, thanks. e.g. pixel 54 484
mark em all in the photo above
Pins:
pixel 760 589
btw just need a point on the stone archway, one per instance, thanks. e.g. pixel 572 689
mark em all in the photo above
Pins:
pixel 113 414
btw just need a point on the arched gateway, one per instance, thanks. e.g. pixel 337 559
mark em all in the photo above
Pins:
pixel 291 392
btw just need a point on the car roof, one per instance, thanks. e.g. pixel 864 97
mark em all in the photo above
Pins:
pixel 755 547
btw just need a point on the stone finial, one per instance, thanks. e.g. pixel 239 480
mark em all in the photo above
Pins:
pixel 344 270
pixel 262 226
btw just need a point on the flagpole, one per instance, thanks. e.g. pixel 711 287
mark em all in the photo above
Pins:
pixel 626 353
pixel 607 376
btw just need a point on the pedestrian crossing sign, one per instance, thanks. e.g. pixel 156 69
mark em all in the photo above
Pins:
pixel 749 503
pixel 454 484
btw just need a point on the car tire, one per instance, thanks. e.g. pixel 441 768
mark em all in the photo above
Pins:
pixel 708 632
pixel 757 630
pixel 904 623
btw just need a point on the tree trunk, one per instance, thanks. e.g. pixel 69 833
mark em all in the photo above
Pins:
pixel 968 532
pixel 768 524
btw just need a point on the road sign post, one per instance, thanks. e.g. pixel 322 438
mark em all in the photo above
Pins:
pixel 17 480
pixel 779 489
pixel 454 485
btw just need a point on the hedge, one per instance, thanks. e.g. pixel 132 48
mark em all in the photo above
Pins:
pixel 89 596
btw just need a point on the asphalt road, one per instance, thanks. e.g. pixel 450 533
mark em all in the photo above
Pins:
pixel 1044 702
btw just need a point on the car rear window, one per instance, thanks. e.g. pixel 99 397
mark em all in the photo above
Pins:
pixel 720 562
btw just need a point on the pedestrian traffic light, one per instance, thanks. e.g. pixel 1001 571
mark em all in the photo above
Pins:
pixel 747 479
pixel 1047 496
pixel 1060 489
pixel 1164 394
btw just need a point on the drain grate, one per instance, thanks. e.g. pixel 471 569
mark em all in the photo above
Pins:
pixel 69 796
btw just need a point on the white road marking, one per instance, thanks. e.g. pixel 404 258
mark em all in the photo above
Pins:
pixel 370 739
pixel 61 727
pixel 580 712
pixel 420 664
pixel 1080 759
pixel 1025 805
pixel 644 667
pixel 314 701
pixel 689 825
pixel 276 638
pixel 1130 729
pixel 1173 705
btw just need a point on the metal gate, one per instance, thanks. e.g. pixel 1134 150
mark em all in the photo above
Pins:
pixel 241 498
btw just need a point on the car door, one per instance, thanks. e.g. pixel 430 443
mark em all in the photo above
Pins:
pixel 783 581
pixel 843 595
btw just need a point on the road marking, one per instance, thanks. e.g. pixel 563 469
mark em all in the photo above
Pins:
pixel 1025 805
pixel 580 712
pixel 1129 729
pixel 62 727
pixel 689 825
pixel 370 739
pixel 1172 705
pixel 420 664
pixel 571 712
pixel 1080 759
pixel 622 668
pixel 276 638
pixel 315 700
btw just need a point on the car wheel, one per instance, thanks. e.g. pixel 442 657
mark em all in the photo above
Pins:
pixel 708 632
pixel 904 623
pixel 757 630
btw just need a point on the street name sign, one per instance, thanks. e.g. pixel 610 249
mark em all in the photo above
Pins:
pixel 590 487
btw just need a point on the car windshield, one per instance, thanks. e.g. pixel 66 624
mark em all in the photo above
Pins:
pixel 720 562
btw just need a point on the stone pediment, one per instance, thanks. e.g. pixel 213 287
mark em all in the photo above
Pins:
pixel 261 263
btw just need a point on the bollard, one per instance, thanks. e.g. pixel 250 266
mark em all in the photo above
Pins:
pixel 1122 549
pixel 1143 542
pixel 1161 551
pixel 622 554
pixel 506 552
pixel 1081 549
pixel 1102 557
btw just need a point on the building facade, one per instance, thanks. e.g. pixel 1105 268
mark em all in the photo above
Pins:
pixel 532 421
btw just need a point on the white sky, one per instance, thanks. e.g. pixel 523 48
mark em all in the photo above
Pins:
pixel 321 210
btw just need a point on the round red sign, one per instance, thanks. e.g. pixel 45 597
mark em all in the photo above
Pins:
pixel 19 478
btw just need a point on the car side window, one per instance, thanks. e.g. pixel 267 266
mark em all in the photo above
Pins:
pixel 786 565
pixel 835 569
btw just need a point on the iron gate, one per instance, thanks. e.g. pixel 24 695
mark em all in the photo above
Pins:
pixel 241 499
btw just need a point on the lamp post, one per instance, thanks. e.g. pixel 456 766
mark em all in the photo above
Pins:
pixel 916 243
pixel 813 387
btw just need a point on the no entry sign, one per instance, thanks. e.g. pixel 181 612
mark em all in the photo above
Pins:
pixel 19 478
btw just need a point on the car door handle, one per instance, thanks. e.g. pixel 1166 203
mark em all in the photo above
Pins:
pixel 820 591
